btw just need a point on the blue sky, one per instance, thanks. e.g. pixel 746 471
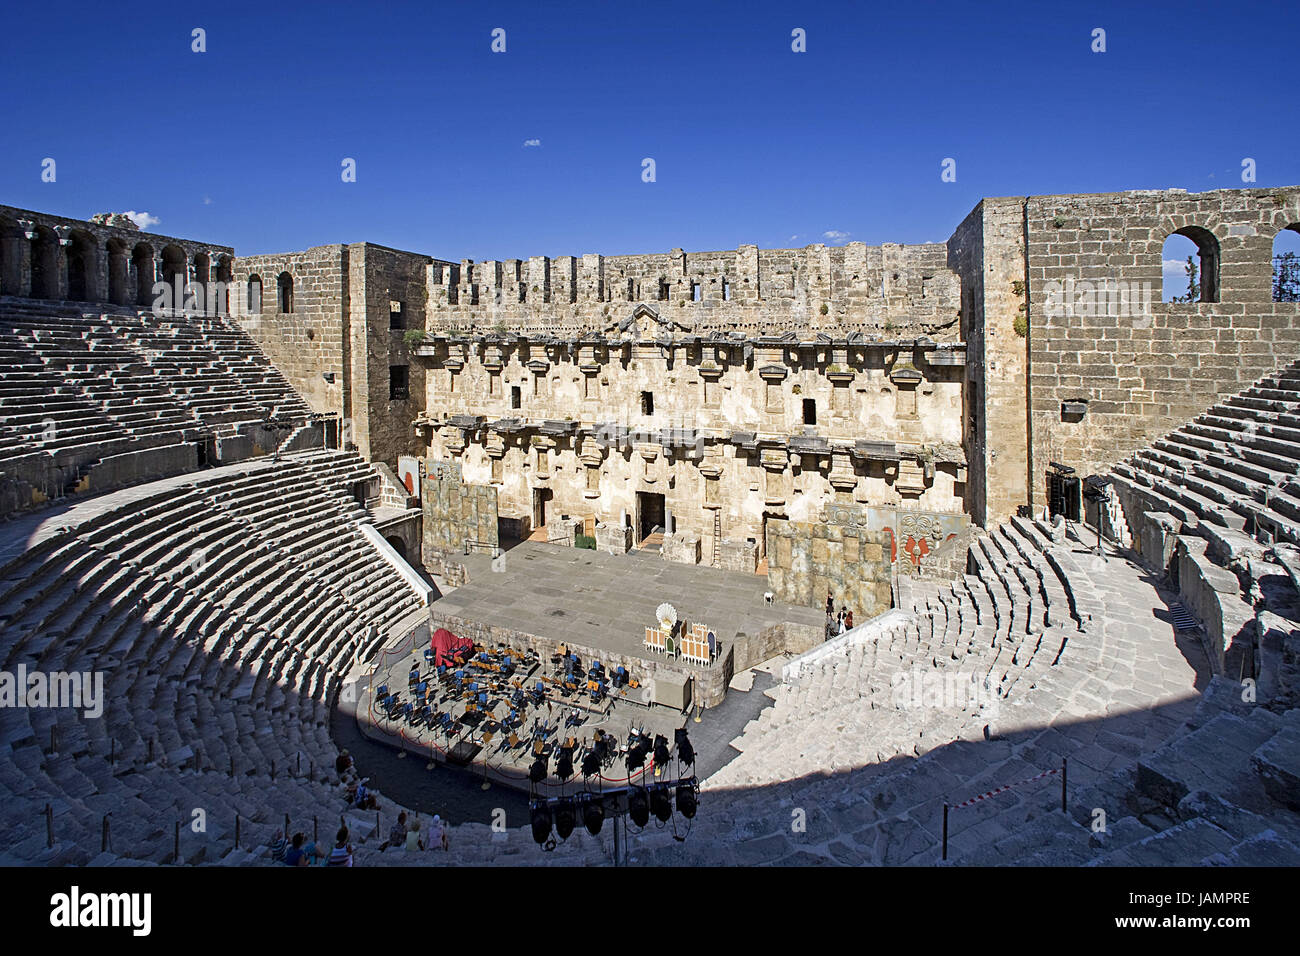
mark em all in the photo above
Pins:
pixel 752 142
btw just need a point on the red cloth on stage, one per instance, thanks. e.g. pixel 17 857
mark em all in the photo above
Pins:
pixel 447 645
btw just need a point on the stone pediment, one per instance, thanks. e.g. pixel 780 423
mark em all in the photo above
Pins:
pixel 646 322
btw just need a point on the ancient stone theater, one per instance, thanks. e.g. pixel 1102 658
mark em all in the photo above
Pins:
pixel 969 512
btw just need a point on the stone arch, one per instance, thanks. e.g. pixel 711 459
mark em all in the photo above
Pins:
pixel 119 272
pixel 284 293
pixel 142 264
pixel 83 267
pixel 398 544
pixel 174 271
pixel 254 294
pixel 223 275
pixel 1285 261
pixel 1207 252
pixel 45 263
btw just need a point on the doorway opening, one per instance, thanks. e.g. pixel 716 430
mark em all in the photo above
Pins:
pixel 650 511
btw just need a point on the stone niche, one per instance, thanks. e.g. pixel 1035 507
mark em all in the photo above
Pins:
pixel 806 560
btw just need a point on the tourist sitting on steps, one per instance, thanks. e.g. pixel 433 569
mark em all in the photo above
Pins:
pixel 437 834
pixel 397 835
pixel 341 855
pixel 300 852
pixel 343 766
pixel 360 797
pixel 413 841
pixel 279 847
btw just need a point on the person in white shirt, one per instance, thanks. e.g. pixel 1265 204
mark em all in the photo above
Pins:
pixel 437 834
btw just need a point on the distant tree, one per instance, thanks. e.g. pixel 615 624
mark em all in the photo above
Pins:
pixel 1286 277
pixel 1193 283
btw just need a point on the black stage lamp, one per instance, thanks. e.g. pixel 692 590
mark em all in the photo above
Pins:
pixel 685 752
pixel 661 751
pixel 537 772
pixel 635 758
pixel 661 803
pixel 590 764
pixel 564 766
pixel 541 816
pixel 638 806
pixel 565 818
pixel 686 800
pixel 593 814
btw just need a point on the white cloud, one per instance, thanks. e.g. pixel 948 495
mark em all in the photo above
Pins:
pixel 142 219
pixel 532 142
pixel 207 200
pixel 835 235
pixel 1174 267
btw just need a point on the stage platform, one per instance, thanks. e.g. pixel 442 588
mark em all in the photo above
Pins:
pixel 539 596
pixel 549 595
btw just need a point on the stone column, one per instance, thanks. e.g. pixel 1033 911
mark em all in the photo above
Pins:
pixel 16 276
pixel 61 262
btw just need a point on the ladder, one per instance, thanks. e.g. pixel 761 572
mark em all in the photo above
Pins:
pixel 717 537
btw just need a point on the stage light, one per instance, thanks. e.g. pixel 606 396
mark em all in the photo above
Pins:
pixel 593 815
pixel 636 757
pixel 685 752
pixel 565 818
pixel 541 818
pixel 564 767
pixel 661 803
pixel 686 800
pixel 537 772
pixel 638 806
pixel 661 751
pixel 590 765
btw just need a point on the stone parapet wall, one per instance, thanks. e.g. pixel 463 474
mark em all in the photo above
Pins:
pixel 885 289
pixel 613 538
pixel 739 556
pixel 682 548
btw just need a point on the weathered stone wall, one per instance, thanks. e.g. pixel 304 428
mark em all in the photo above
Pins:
pixel 807 560
pixel 784 638
pixel 987 250
pixel 882 290
pixel 724 442
pixel 739 556
pixel 338 345
pixel 455 512
pixel 386 281
pixel 1145 371
pixel 307 343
